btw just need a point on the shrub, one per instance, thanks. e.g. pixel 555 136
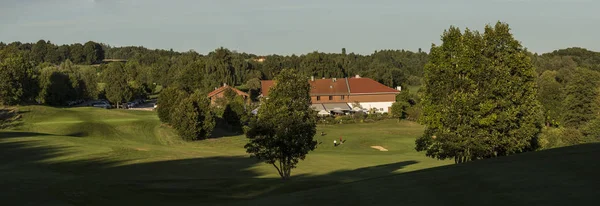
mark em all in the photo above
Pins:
pixel 592 130
pixel 560 137
pixel 344 119
pixel 377 116
pixel 326 120
pixel 413 113
pixel 399 109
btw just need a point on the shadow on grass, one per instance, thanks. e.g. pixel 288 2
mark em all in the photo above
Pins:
pixel 15 134
pixel 29 167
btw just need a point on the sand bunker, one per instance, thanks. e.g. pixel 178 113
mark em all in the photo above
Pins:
pixel 380 148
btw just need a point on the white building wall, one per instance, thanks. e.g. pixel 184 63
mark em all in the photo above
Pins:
pixel 380 106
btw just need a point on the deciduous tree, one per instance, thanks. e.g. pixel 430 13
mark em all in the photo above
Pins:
pixel 581 101
pixel 480 97
pixel 282 134
pixel 17 83
pixel 192 117
pixel 168 99
pixel 117 87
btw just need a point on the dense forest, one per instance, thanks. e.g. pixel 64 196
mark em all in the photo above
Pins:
pixel 568 80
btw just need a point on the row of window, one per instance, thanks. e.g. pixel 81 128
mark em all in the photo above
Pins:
pixel 330 98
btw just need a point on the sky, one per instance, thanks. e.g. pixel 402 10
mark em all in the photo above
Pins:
pixel 296 26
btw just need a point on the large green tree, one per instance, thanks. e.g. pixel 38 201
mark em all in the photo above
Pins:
pixel 282 133
pixel 551 96
pixel 17 83
pixel 117 87
pixel 582 94
pixel 168 99
pixel 55 87
pixel 192 117
pixel 93 52
pixel 480 97
pixel 89 76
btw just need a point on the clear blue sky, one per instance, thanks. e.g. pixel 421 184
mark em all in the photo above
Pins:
pixel 296 26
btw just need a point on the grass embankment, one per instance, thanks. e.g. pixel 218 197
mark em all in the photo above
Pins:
pixel 91 156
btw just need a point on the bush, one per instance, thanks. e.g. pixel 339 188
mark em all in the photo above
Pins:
pixel 399 109
pixel 413 113
pixel 344 119
pixel 560 137
pixel 326 120
pixel 592 130
pixel 359 116
pixel 377 116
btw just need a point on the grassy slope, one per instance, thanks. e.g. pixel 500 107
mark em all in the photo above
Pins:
pixel 96 156
pixel 564 176
pixel 90 156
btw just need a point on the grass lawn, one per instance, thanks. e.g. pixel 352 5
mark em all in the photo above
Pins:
pixel 92 156
pixel 98 156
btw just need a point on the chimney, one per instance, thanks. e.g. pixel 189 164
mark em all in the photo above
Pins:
pixel 334 79
pixel 224 84
pixel 399 88
pixel 312 78
pixel 357 76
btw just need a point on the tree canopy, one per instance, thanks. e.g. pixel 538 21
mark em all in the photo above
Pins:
pixel 480 96
pixel 282 133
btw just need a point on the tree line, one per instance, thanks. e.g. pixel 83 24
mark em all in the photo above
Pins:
pixel 194 71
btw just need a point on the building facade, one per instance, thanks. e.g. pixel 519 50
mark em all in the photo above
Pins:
pixel 346 94
pixel 220 93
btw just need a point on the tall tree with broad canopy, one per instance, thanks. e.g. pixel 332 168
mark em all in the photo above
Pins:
pixel 582 97
pixel 168 99
pixel 551 95
pixel 17 80
pixel 480 97
pixel 192 117
pixel 282 133
pixel 117 88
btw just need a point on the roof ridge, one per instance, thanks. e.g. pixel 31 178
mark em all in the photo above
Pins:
pixel 347 84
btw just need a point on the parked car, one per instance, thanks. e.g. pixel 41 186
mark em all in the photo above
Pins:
pixel 102 105
pixel 131 104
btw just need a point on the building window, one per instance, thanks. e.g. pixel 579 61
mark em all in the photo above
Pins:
pixel 330 97
pixel 381 109
pixel 342 97
pixel 318 98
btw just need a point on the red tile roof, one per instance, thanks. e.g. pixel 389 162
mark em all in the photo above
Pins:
pixel 368 86
pixel 342 86
pixel 221 89
pixel 329 87
pixel 318 87
pixel 265 86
